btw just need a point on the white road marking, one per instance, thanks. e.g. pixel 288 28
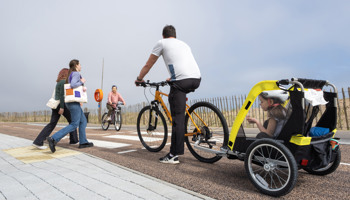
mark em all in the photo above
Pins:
pixel 128 151
pixel 134 138
pixel 98 134
pixel 62 126
pixel 341 142
pixel 158 133
pixel 109 145
pixel 348 164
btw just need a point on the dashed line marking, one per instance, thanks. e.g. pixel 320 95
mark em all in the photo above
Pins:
pixel 128 151
pixel 134 138
pixel 109 145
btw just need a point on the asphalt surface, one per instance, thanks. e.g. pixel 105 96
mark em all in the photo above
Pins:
pixel 225 179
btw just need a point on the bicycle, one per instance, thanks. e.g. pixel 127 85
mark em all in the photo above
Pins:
pixel 204 122
pixel 116 118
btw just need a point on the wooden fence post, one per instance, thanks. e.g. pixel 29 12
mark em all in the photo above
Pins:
pixel 339 114
pixel 345 113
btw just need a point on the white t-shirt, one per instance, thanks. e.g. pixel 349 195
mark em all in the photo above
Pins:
pixel 178 58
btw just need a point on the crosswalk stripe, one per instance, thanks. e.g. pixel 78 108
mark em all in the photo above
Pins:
pixel 128 151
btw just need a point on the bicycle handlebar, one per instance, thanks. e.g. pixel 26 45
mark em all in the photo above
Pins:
pixel 153 84
pixel 119 103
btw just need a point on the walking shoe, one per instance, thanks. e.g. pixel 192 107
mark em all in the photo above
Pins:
pixel 170 160
pixel 42 147
pixel 52 144
pixel 89 144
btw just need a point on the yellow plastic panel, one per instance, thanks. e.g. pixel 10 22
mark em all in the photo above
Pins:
pixel 254 92
pixel 300 140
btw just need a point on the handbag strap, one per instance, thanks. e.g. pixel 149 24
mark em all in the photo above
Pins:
pixel 53 94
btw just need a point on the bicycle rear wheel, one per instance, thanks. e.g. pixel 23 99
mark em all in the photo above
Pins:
pixel 213 131
pixel 104 122
pixel 118 121
pixel 152 129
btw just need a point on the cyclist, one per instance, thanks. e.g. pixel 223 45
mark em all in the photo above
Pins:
pixel 113 98
pixel 185 77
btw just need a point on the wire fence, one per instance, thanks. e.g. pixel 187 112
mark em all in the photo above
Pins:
pixel 228 105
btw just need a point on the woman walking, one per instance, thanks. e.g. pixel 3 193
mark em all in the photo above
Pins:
pixel 56 114
pixel 77 114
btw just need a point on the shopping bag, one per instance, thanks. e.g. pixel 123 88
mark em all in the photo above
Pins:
pixel 74 94
pixel 53 103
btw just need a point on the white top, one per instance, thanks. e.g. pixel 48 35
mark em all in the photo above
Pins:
pixel 315 97
pixel 178 58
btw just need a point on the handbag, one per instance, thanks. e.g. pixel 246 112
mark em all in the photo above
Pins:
pixel 74 94
pixel 53 103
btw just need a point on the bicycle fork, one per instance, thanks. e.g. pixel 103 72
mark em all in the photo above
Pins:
pixel 152 127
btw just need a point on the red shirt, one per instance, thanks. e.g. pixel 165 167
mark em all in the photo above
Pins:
pixel 115 98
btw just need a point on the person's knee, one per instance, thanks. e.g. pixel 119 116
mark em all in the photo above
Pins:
pixel 75 124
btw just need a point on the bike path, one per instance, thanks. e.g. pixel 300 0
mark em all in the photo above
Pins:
pixel 28 173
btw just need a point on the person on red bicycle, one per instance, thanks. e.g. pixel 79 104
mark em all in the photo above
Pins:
pixel 185 77
pixel 113 98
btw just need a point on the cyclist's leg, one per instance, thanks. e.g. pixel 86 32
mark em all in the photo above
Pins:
pixel 110 110
pixel 177 101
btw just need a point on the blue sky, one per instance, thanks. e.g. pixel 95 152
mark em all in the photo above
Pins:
pixel 236 44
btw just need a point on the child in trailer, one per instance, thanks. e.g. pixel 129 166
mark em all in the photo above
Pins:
pixel 271 101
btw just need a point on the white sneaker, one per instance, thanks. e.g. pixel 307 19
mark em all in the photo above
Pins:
pixel 169 160
pixel 40 147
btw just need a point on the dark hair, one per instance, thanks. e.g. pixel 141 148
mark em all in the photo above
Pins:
pixel 72 67
pixel 169 31
pixel 62 75
pixel 114 86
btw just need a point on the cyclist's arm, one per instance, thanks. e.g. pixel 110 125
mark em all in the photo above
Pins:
pixel 121 99
pixel 149 64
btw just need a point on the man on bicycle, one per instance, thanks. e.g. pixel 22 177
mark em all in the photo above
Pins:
pixel 113 98
pixel 185 77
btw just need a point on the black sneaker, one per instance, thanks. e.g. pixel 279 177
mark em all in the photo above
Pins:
pixel 73 142
pixel 52 144
pixel 170 160
pixel 89 144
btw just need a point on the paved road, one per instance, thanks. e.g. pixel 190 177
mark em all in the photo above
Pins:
pixel 29 173
pixel 225 179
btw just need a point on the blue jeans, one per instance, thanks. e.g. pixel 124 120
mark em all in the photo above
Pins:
pixel 78 120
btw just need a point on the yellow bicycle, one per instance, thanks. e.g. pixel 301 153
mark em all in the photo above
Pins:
pixel 205 126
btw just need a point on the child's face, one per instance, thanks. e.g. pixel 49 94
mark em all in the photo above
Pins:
pixel 264 103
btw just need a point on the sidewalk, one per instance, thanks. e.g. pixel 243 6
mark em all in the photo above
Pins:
pixel 28 173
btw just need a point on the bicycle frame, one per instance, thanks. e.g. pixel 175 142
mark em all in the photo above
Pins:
pixel 158 99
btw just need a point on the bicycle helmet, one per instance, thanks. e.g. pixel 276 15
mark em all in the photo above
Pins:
pixel 279 96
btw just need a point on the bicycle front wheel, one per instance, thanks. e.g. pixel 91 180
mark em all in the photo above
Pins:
pixel 206 129
pixel 104 122
pixel 118 121
pixel 152 129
